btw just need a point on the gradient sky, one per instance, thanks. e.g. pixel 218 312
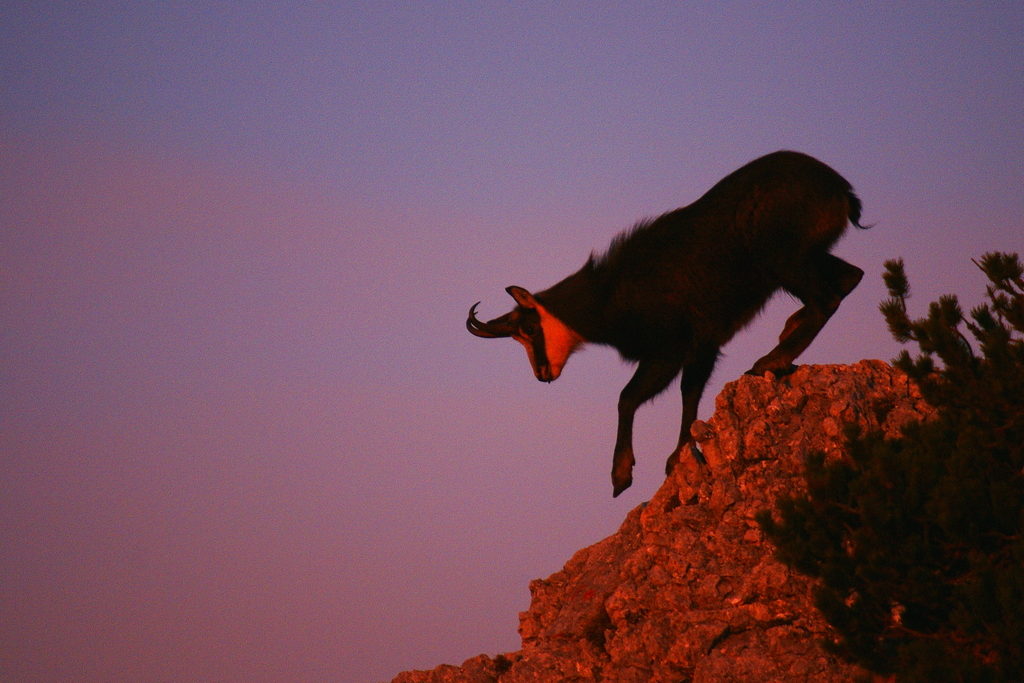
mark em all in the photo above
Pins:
pixel 244 433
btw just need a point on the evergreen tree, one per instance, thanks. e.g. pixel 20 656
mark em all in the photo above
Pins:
pixel 917 543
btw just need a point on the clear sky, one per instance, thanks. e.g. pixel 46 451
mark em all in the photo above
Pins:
pixel 244 434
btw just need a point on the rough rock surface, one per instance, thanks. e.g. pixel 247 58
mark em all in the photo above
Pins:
pixel 687 590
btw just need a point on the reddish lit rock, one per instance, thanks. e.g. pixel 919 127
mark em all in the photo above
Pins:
pixel 687 589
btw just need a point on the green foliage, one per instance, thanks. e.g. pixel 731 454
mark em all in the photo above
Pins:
pixel 917 543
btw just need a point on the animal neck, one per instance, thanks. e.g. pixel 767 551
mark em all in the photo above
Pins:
pixel 576 301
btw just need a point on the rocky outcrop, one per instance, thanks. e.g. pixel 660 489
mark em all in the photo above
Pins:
pixel 687 589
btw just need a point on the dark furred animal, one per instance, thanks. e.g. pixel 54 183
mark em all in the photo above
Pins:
pixel 672 291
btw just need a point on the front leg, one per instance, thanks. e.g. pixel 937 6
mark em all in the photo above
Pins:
pixel 695 378
pixel 650 379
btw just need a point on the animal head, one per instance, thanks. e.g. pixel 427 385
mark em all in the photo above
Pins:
pixel 548 341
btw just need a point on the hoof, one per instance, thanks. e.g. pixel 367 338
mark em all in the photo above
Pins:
pixel 787 369
pixel 698 457
pixel 674 459
pixel 622 471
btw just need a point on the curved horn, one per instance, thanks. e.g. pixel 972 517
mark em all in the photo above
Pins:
pixel 495 328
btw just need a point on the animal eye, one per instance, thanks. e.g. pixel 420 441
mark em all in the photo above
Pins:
pixel 529 330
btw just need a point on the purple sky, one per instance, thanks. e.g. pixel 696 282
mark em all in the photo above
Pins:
pixel 244 435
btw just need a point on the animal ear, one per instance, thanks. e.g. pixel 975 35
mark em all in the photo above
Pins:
pixel 522 297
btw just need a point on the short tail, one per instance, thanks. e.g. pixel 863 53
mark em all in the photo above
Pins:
pixel 855 206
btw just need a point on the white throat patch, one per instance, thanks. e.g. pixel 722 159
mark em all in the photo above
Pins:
pixel 559 341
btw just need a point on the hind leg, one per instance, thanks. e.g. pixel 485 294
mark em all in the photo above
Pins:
pixel 826 284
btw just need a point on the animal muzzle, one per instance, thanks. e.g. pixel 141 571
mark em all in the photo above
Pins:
pixel 545 374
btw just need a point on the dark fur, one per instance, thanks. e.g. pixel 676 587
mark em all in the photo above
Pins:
pixel 671 291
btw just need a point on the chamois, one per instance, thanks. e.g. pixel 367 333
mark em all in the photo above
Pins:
pixel 670 292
